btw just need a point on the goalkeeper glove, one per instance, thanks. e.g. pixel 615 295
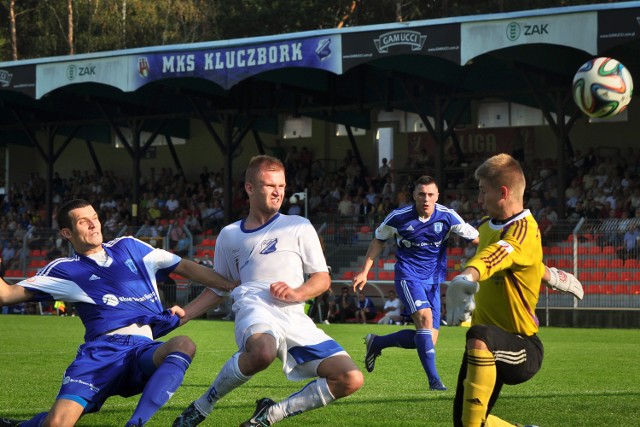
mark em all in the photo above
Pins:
pixel 566 282
pixel 460 301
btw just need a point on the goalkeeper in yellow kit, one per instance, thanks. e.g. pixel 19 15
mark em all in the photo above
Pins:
pixel 502 345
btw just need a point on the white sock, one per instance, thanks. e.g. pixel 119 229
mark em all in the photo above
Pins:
pixel 229 378
pixel 315 394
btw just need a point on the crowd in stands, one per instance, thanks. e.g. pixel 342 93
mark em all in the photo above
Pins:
pixel 602 185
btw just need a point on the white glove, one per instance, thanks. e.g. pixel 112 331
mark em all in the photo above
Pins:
pixel 566 282
pixel 460 301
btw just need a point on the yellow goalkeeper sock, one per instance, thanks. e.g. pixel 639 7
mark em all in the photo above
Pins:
pixel 478 386
pixel 493 421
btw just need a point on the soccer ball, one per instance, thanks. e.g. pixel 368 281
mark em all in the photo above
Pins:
pixel 602 87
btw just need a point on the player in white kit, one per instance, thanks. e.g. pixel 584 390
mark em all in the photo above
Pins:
pixel 279 262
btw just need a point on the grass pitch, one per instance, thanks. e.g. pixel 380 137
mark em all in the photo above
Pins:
pixel 589 378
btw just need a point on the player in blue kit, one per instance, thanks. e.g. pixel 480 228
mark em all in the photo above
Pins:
pixel 113 286
pixel 421 232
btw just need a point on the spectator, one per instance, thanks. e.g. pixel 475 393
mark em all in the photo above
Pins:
pixel 391 309
pixel 365 309
pixel 342 307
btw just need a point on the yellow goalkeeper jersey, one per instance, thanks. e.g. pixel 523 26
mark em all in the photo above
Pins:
pixel 509 259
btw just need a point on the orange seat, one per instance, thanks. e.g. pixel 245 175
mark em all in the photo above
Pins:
pixel 631 263
pixel 598 276
pixel 555 250
pixel 612 276
pixel 588 263
pixel 456 251
pixel 348 275
pixel 585 276
pixel 567 250
pixel 565 264
pixel 608 250
pixel 595 250
pixel 616 263
pixel 607 289
pixel 386 275
pixel 622 289
pixel 583 250
pixel 451 263
pixel 626 276
pixel 634 289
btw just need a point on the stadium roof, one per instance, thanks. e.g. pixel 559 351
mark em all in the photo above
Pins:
pixel 433 68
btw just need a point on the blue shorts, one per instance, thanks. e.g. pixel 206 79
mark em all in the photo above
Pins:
pixel 417 295
pixel 109 366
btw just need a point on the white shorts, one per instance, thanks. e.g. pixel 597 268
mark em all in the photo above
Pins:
pixel 302 346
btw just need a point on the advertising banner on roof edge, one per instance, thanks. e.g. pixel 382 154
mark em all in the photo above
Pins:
pixel 225 67
pixel 576 30
pixel 21 79
pixel 229 66
pixel 439 40
pixel 617 26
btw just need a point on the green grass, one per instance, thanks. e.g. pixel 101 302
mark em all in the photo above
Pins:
pixel 589 378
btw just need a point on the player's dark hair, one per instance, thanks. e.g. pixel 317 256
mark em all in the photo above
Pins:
pixel 64 220
pixel 424 180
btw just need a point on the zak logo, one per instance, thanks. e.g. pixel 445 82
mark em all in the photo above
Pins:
pixel 268 246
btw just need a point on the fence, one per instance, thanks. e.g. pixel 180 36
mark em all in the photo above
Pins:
pixel 595 251
pixel 603 254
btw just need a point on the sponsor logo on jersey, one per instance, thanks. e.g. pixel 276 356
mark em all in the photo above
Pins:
pixel 68 380
pixel 419 302
pixel 94 277
pixel 110 300
pixel 409 228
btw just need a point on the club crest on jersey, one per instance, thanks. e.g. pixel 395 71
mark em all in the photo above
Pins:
pixel 438 227
pixel 129 263
pixel 268 246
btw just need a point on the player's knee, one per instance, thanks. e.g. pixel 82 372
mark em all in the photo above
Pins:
pixel 184 345
pixel 349 382
pixel 261 358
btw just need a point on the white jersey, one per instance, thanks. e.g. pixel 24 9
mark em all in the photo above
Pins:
pixel 282 250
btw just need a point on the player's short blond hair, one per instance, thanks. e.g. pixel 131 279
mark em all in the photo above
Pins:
pixel 259 164
pixel 503 170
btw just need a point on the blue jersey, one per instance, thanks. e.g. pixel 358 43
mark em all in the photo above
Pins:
pixel 111 296
pixel 422 244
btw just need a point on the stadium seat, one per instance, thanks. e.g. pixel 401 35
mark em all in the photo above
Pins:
pixel 604 263
pixel 616 263
pixel 622 289
pixel 595 250
pixel 555 250
pixel 456 251
pixel 608 250
pixel 626 276
pixel 348 275
pixel 451 263
pixel 631 263
pixel 386 275
pixel 598 276
pixel 585 276
pixel 612 276
pixel 567 250
pixel 587 263
pixel 583 250
pixel 607 289
pixel 564 264
pixel 634 289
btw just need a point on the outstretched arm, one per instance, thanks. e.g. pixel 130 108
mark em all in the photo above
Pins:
pixel 204 275
pixel 562 281
pixel 200 305
pixel 374 250
pixel 13 294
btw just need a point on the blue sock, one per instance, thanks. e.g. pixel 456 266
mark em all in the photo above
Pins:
pixel 35 421
pixel 160 387
pixel 427 353
pixel 404 338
